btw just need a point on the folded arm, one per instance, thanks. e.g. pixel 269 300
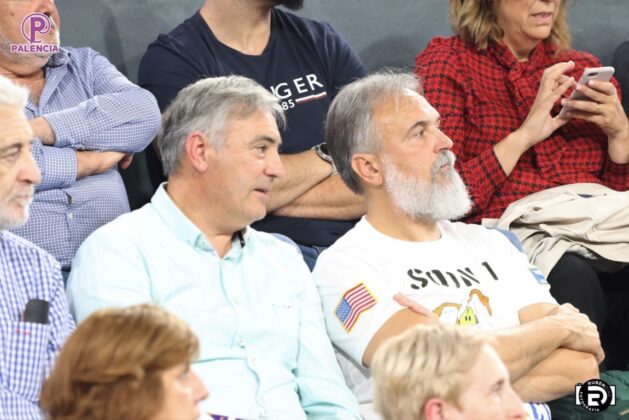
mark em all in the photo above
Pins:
pixel 552 350
pixel 556 375
pixel 329 199
pixel 60 167
pixel 120 116
pixel 303 171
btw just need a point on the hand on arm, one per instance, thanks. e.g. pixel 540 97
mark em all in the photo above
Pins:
pixel 604 109
pixel 413 314
pixel 43 131
pixel 556 375
pixel 554 348
pixel 539 124
pixel 92 163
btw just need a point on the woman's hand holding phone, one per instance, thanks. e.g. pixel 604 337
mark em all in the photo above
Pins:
pixel 595 99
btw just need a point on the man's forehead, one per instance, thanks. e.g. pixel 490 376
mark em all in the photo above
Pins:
pixel 259 122
pixel 409 104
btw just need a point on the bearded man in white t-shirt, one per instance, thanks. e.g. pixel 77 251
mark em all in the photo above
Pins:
pixel 385 140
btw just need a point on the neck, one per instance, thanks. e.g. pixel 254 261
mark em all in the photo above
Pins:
pixel 243 25
pixel 29 76
pixel 184 194
pixel 521 50
pixel 390 221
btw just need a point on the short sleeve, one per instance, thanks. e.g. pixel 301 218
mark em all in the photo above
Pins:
pixel 346 66
pixel 529 284
pixel 356 300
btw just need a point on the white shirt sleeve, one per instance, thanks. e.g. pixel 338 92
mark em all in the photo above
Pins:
pixel 356 299
pixel 527 289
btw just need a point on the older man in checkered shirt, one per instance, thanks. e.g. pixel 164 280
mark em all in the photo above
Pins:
pixel 34 317
pixel 87 119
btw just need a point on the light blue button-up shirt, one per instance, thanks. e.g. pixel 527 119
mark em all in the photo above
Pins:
pixel 264 348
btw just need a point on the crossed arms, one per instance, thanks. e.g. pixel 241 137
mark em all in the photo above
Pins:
pixel 552 349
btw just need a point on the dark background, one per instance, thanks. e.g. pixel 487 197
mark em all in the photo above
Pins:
pixel 384 32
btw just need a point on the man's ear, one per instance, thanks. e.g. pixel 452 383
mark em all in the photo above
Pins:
pixel 199 151
pixel 435 409
pixel 368 168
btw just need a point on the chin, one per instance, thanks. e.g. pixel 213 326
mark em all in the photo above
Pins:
pixel 257 213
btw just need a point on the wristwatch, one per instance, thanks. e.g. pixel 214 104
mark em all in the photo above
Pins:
pixel 321 150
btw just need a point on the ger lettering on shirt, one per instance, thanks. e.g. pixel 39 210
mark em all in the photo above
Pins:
pixel 305 63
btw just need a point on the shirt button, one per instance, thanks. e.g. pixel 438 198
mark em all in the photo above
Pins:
pixel 70 216
pixel 241 342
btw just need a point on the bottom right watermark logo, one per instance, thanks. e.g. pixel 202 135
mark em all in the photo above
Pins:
pixel 595 395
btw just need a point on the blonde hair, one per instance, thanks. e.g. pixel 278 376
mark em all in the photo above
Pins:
pixel 111 366
pixel 427 361
pixel 475 22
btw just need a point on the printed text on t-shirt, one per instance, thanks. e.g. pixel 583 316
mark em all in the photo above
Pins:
pixel 462 277
pixel 308 87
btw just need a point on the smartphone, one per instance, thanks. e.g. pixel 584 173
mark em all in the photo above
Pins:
pixel 602 74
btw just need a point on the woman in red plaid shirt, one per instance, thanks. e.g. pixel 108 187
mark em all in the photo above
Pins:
pixel 499 84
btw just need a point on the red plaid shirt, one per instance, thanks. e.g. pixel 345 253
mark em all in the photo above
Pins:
pixel 483 95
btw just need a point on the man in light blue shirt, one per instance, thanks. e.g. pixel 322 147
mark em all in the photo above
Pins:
pixel 248 295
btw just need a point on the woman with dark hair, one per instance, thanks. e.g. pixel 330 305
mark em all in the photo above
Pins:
pixel 499 84
pixel 126 364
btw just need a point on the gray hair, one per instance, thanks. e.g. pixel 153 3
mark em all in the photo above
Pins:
pixel 12 95
pixel 350 128
pixel 207 106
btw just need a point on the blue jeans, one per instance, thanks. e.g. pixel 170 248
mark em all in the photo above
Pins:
pixel 310 254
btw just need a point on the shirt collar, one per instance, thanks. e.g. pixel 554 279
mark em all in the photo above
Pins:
pixel 183 227
pixel 59 59
pixel 537 57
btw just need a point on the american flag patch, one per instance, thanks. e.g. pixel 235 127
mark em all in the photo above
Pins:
pixel 354 302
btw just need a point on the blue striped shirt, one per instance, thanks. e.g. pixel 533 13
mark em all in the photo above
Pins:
pixel 27 350
pixel 90 105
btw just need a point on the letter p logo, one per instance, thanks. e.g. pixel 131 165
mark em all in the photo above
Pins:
pixel 33 24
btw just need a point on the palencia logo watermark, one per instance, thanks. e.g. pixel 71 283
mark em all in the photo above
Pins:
pixel 595 395
pixel 35 25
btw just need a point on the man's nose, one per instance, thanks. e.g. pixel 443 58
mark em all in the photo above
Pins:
pixel 444 142
pixel 29 172
pixel 274 165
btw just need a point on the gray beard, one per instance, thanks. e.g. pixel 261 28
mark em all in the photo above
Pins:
pixel 444 198
pixel 32 59
pixel 10 222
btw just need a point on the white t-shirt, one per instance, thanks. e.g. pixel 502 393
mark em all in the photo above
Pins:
pixel 471 276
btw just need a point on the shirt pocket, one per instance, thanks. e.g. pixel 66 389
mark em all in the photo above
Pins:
pixel 284 316
pixel 24 357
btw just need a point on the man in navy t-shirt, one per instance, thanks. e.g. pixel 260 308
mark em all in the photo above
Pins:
pixel 304 63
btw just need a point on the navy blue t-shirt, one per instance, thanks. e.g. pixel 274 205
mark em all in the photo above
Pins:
pixel 305 64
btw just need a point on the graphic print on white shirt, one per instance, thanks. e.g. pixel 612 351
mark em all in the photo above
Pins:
pixel 470 276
